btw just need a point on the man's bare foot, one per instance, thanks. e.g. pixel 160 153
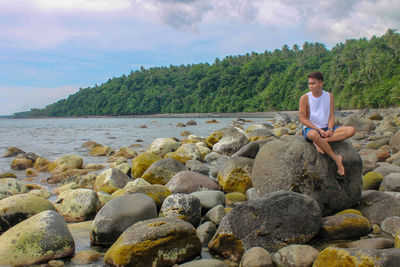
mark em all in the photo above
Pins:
pixel 339 163
pixel 318 148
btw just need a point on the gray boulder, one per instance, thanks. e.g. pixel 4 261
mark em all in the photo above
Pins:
pixel 293 164
pixel 188 182
pixel 232 140
pixel 361 124
pixel 386 126
pixel 42 237
pixel 218 165
pixel 197 166
pixel 376 206
pixel 205 232
pixel 215 214
pixel 295 255
pixel 391 182
pixel 210 199
pixel 391 225
pixel 386 168
pixel 345 226
pixel 256 257
pixel 111 180
pixel 205 263
pixel 118 214
pixel 281 118
pixel 249 151
pixel 264 223
pixel 371 243
pixel 182 206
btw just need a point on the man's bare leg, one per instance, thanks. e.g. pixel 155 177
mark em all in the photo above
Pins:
pixel 318 148
pixel 324 146
pixel 341 133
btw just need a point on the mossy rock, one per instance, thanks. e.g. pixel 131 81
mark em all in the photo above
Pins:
pixel 160 172
pixel 64 163
pixel 67 174
pixel 31 172
pixel 12 186
pixel 203 149
pixel 397 239
pixel 185 152
pixel 41 164
pixel 142 162
pixel 101 151
pixel 234 197
pixel 15 209
pixel 157 192
pixel 349 211
pixel 345 226
pixel 155 242
pixel 7 175
pixel 162 146
pixel 12 152
pixel 372 181
pixel 22 162
pixel 43 237
pixel 111 180
pixel 235 175
pixel 125 152
pixel 215 137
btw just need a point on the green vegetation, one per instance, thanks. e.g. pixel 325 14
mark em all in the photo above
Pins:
pixel 361 73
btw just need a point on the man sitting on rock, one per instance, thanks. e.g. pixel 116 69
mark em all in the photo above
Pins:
pixel 316 112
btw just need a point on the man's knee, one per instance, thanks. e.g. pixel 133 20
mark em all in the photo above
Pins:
pixel 350 131
pixel 313 135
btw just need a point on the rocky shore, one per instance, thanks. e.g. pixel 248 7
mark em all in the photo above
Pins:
pixel 248 195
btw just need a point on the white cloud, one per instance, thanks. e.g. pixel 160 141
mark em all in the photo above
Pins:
pixel 90 5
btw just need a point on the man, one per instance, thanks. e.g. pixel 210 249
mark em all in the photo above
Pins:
pixel 316 112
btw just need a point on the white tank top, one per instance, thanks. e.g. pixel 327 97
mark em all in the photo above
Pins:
pixel 319 109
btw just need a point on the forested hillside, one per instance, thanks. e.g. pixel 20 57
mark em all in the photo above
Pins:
pixel 361 73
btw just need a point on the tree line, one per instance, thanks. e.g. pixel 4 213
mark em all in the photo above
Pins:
pixel 363 73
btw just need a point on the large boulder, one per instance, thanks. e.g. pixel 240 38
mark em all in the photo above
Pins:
pixel 42 237
pixel 394 142
pixel 233 139
pixel 334 256
pixel 15 209
pixel 155 242
pixel 265 223
pixel 41 164
pixel 22 162
pixel 295 255
pixel 189 181
pixel 160 172
pixel 345 226
pixel 77 205
pixel 64 163
pixel 141 162
pixel 281 119
pixel 111 180
pixel 376 206
pixel 234 175
pixel 162 146
pixel 119 214
pixel 185 152
pixel 183 206
pixel 249 151
pixel 361 124
pixel 293 164
pixel 12 186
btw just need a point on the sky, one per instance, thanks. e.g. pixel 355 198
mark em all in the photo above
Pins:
pixel 51 48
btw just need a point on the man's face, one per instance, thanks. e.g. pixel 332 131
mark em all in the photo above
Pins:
pixel 315 85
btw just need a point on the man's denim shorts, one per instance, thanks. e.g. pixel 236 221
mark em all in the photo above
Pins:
pixel 306 129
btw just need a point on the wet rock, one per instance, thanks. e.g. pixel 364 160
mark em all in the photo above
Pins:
pixel 233 139
pixel 256 257
pixel 12 186
pixel 376 206
pixel 333 256
pixel 155 242
pixel 142 162
pixel 15 209
pixel 205 232
pixel 345 226
pixel 85 257
pixel 7 175
pixel 12 152
pixel 43 237
pixel 245 226
pixel 111 180
pixel 188 182
pixel 101 151
pixel 295 255
pixel 162 146
pixel 22 162
pixel 185 152
pixel 293 164
pixel 191 123
pixel 77 205
pixel 161 172
pixel 234 175
pixel 180 124
pixel 182 206
pixel 119 214
pixel 64 163
pixel 41 164
pixel 391 182
pixel 360 124
pixel 210 199
pixel 157 192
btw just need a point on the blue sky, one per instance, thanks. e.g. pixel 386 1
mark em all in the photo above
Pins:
pixel 51 48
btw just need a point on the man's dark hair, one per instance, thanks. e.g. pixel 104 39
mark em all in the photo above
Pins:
pixel 316 75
